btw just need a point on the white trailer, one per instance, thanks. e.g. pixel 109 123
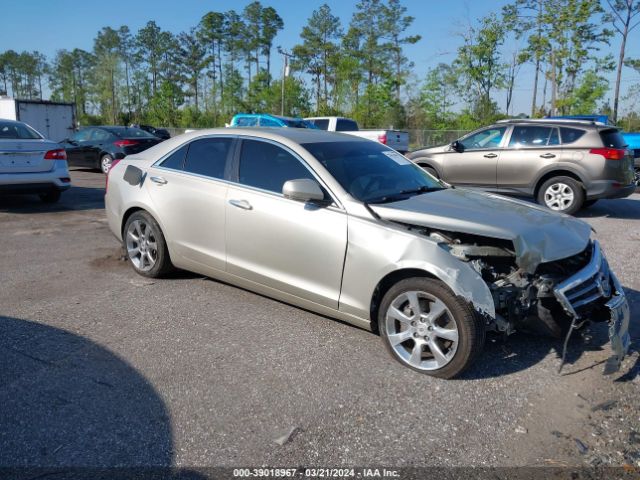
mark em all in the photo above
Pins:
pixel 55 120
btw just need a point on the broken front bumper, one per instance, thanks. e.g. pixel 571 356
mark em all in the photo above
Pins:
pixel 597 283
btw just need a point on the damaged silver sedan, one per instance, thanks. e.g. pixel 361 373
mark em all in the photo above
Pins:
pixel 353 230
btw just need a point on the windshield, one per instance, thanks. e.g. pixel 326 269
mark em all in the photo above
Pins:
pixel 17 131
pixel 371 172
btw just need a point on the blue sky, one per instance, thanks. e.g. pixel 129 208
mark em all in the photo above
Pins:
pixel 49 25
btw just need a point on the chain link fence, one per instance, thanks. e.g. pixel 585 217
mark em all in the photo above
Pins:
pixel 433 138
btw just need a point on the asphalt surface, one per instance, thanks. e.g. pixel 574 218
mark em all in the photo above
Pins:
pixel 102 367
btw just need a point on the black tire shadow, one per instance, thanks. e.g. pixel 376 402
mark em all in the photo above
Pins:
pixel 521 351
pixel 68 402
pixel 623 208
pixel 75 198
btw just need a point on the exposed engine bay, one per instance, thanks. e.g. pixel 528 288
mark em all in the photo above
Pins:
pixel 557 298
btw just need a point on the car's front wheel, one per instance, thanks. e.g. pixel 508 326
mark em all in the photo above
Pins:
pixel 561 194
pixel 145 245
pixel 427 328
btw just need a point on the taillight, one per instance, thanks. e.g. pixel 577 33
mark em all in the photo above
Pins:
pixel 114 162
pixel 609 153
pixel 382 138
pixel 57 154
pixel 125 143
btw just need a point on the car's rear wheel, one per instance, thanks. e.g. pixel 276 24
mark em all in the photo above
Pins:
pixel 427 328
pixel 145 245
pixel 561 194
pixel 50 197
pixel 105 163
pixel 636 173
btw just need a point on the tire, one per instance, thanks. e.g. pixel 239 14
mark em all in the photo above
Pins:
pixel 636 176
pixel 460 331
pixel 431 171
pixel 51 197
pixel 561 194
pixel 144 258
pixel 105 163
pixel 589 203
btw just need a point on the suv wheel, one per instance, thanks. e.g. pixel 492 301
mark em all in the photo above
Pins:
pixel 561 194
pixel 427 328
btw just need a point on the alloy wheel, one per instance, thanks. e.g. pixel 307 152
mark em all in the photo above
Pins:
pixel 105 164
pixel 559 196
pixel 421 330
pixel 142 248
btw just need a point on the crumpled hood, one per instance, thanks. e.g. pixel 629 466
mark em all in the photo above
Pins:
pixel 538 235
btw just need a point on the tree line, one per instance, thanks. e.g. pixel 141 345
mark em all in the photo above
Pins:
pixel 223 65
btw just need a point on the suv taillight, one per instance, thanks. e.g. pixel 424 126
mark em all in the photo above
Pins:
pixel 609 153
pixel 57 154
pixel 114 162
pixel 382 138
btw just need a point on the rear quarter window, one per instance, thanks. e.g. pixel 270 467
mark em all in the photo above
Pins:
pixel 570 135
pixel 176 159
pixel 613 139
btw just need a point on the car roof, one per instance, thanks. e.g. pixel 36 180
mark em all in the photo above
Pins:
pixel 269 115
pixel 296 135
pixel 553 121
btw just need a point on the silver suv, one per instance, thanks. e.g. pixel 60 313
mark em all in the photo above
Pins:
pixel 564 165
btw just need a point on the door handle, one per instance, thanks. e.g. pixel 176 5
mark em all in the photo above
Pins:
pixel 243 204
pixel 547 155
pixel 490 155
pixel 158 180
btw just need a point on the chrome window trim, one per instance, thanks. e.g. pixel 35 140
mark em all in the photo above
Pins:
pixel 335 202
pixel 158 164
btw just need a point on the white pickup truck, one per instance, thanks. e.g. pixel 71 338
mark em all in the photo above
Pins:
pixel 396 139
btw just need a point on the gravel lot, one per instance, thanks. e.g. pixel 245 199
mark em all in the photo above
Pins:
pixel 102 367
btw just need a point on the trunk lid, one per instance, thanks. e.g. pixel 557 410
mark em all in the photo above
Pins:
pixel 25 156
pixel 538 235
pixel 140 145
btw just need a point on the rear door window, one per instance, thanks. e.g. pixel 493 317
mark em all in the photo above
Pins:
pixel 344 125
pixel 612 139
pixel 268 122
pixel 246 122
pixel 570 135
pixel 267 166
pixel 527 136
pixel 208 156
pixel 321 123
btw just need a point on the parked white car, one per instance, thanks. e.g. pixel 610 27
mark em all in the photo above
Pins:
pixel 29 163
pixel 396 139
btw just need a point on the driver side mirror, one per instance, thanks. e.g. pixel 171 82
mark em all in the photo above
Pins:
pixel 456 146
pixel 303 190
